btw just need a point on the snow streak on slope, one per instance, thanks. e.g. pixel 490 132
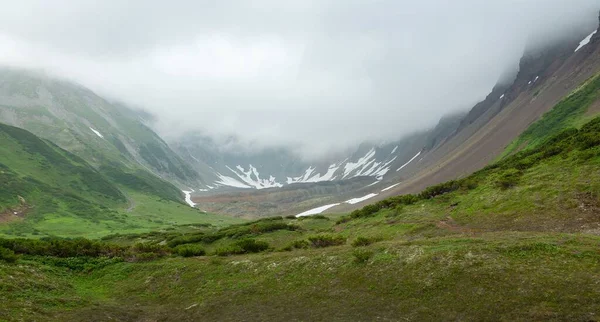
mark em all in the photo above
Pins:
pixel 230 182
pixel 361 163
pixel 361 199
pixel 390 187
pixel 188 198
pixel 409 161
pixel 586 40
pixel 251 177
pixel 309 177
pixel 317 211
pixel 97 133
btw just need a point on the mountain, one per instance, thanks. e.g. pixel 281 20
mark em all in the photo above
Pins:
pixel 516 241
pixel 48 191
pixel 76 119
pixel 461 144
pixel 279 167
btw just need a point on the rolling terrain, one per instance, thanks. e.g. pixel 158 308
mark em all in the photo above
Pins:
pixel 493 214
pixel 47 191
pixel 516 240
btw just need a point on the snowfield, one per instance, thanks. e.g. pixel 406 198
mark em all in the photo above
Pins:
pixel 251 177
pixel 188 198
pixel 230 182
pixel 366 166
pixel 361 199
pixel 317 211
pixel 586 40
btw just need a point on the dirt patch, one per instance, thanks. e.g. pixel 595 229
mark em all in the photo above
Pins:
pixel 594 109
pixel 10 215
pixel 451 225
pixel 15 213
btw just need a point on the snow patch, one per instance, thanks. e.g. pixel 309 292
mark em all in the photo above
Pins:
pixel 317 211
pixel 251 177
pixel 230 182
pixel 395 149
pixel 97 133
pixel 361 199
pixel 362 162
pixel 372 184
pixel 188 198
pixel 536 79
pixel 390 187
pixel 310 176
pixel 502 96
pixel 409 161
pixel 586 40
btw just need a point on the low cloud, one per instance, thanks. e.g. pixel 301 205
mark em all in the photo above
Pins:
pixel 318 75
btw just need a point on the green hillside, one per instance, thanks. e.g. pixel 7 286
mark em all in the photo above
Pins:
pixel 47 191
pixel 85 124
pixel 515 241
pixel 568 113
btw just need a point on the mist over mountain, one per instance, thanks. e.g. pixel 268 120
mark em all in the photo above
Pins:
pixel 316 76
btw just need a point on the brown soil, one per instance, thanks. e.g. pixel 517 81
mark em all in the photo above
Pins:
pixel 594 109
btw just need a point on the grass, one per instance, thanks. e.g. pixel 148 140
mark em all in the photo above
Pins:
pixel 566 114
pixel 516 241
pixel 434 279
pixel 150 213
pixel 525 253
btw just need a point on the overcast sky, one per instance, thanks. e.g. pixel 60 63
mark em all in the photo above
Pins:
pixel 318 74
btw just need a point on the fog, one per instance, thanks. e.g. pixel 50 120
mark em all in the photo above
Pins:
pixel 319 76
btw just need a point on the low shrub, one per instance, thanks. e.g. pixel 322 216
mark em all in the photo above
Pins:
pixel 7 255
pixel 252 246
pixel 365 241
pixel 243 246
pixel 509 179
pixel 81 264
pixel 190 250
pixel 362 256
pixel 321 241
pixel 297 244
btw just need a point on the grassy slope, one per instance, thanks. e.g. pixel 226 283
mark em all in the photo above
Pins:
pixel 518 241
pixel 66 197
pixel 567 113
pixel 525 253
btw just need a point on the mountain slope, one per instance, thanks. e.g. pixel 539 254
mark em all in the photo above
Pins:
pixel 544 79
pixel 45 191
pixel 87 125
pixel 278 167
pixel 39 178
pixel 495 245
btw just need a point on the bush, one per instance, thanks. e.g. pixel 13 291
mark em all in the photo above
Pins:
pixel 252 246
pixel 365 241
pixel 509 179
pixel 83 264
pixel 297 244
pixel 321 241
pixel 362 256
pixel 7 255
pixel 440 189
pixel 190 251
pixel 243 246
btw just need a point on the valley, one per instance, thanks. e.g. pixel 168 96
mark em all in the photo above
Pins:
pixel 492 213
